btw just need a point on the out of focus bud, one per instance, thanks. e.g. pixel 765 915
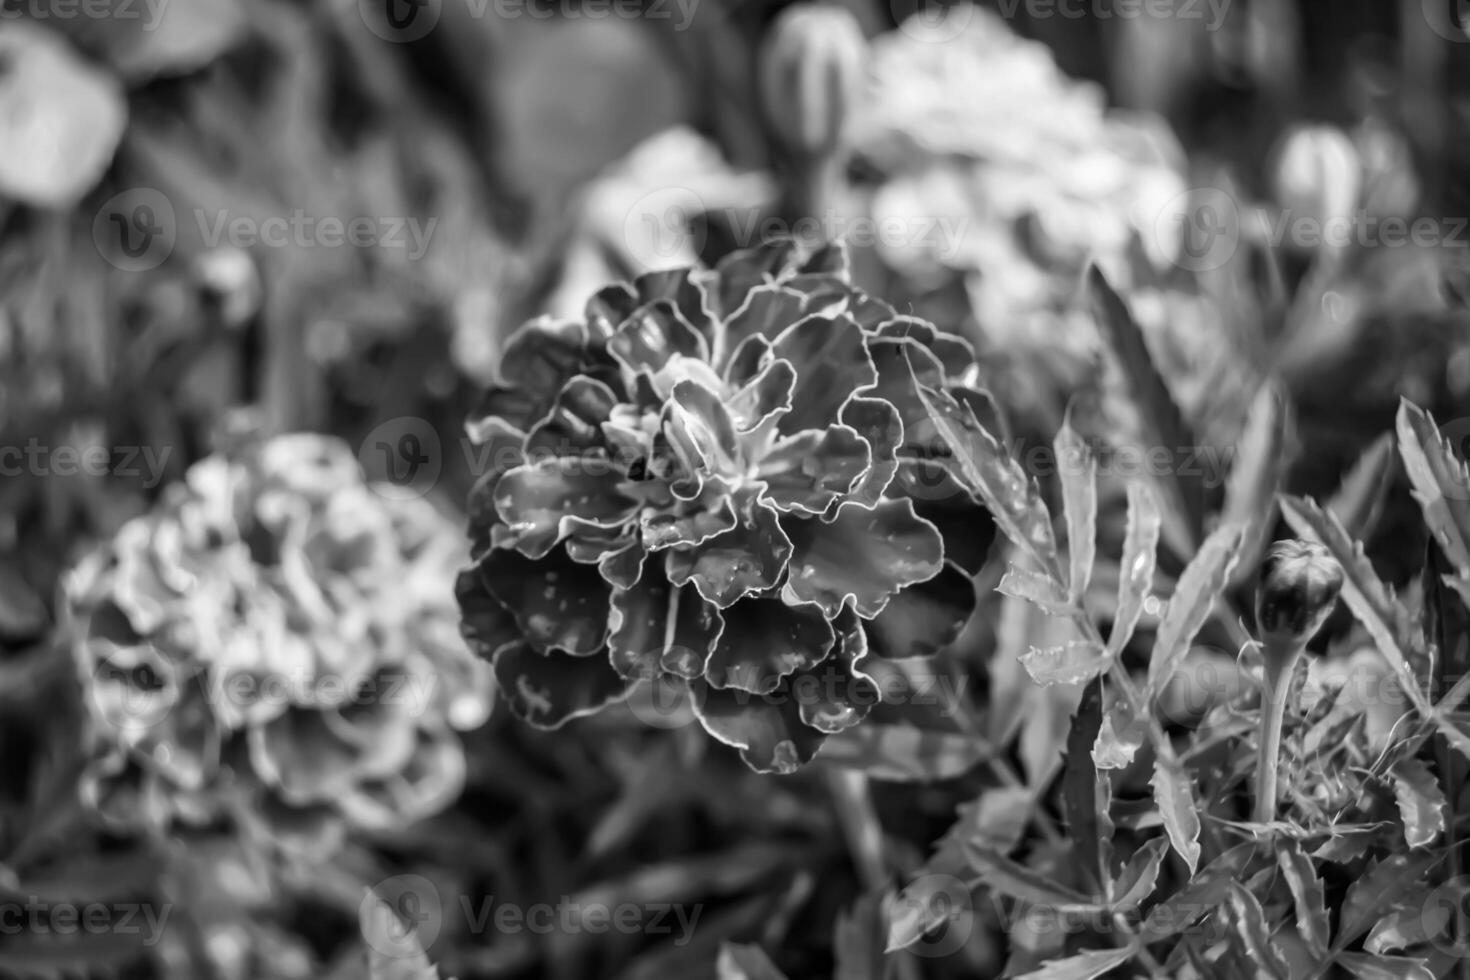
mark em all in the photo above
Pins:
pixel 811 76
pixel 228 278
pixel 1318 174
pixel 1388 165
pixel 1299 586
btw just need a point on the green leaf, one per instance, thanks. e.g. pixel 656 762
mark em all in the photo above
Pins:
pixel 857 941
pixel 1359 498
pixel 1119 737
pixel 905 753
pixel 1198 588
pixel 1421 803
pixel 1306 894
pixel 1139 877
pixel 1253 932
pixel 1078 469
pixel 1039 590
pixel 1076 662
pixel 990 473
pixel 1204 892
pixel 1136 572
pixel 1083 803
pixel 745 961
pixel 1365 966
pixel 1084 966
pixel 1174 796
pixel 1440 480
pixel 922 906
pixel 1380 891
pixel 1009 878
pixel 1162 422
pixel 1373 604
pixel 1260 465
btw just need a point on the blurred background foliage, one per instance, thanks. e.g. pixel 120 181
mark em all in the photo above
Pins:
pixel 555 153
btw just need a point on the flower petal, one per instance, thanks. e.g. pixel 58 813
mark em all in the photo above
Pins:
pixel 766 311
pixel 654 335
pixel 767 729
pixel 831 360
pixel 621 568
pixel 666 530
pixel 698 625
pixel 573 425
pixel 541 503
pixel 749 557
pixel 764 395
pixel 549 689
pixel 702 437
pixel 925 617
pixel 837 694
pixel 538 359
pixel 765 640
pixel 879 425
pixel 863 555
pixel 955 354
pixel 811 470
pixel 485 624
pixel 558 603
pixel 639 625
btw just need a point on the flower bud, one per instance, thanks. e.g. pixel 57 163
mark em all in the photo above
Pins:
pixel 811 76
pixel 1298 588
pixel 1318 174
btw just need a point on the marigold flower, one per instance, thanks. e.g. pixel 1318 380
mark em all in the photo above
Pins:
pixel 707 478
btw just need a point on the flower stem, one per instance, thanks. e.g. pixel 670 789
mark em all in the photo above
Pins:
pixel 1280 660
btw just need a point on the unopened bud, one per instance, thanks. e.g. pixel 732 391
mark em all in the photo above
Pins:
pixel 1318 174
pixel 812 75
pixel 1299 584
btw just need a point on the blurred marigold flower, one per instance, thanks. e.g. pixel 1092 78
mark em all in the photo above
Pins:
pixel 276 628
pixel 720 477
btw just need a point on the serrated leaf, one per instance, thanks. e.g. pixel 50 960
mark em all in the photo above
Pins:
pixel 1409 926
pixel 1136 571
pixel 1256 476
pixel 1162 422
pixel 989 473
pixel 1421 803
pixel 1380 891
pixel 1198 588
pixel 1359 498
pixel 1018 881
pixel 1372 604
pixel 745 961
pixel 1078 469
pixel 1076 662
pixel 1138 878
pixel 1084 966
pixel 1255 934
pixel 1174 796
pixel 1205 891
pixel 1118 738
pixel 1306 894
pixel 1080 803
pixel 1440 480
pixel 1039 590
pixel 1366 966
pixel 905 753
